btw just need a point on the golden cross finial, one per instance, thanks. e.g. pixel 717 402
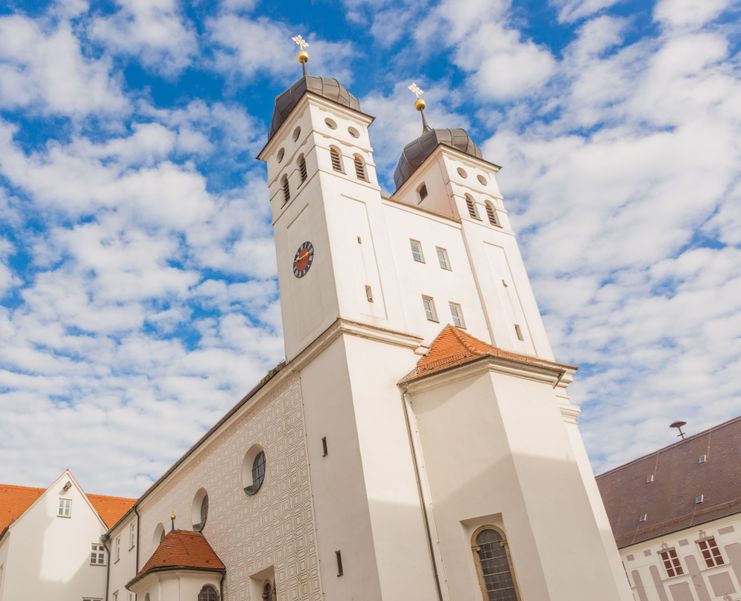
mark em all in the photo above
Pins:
pixel 414 88
pixel 302 43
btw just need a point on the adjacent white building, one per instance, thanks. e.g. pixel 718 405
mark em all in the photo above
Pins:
pixel 51 541
pixel 676 514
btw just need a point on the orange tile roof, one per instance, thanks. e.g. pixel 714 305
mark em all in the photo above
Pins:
pixel 110 509
pixel 182 550
pixel 453 347
pixel 14 500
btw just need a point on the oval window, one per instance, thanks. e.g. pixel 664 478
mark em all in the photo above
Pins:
pixel 280 155
pixel 482 180
pixel 330 123
pixel 462 172
pixel 296 133
pixel 353 132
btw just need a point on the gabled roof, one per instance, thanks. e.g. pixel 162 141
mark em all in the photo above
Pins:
pixel 110 509
pixel 453 347
pixel 14 500
pixel 182 550
pixel 669 501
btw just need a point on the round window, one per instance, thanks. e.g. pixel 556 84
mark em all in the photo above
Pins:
pixel 296 133
pixel 482 180
pixel 330 123
pixel 253 470
pixel 353 132
pixel 462 172
pixel 280 155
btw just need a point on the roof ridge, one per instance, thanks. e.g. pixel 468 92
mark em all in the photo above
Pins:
pixel 459 334
pixel 671 446
pixel 22 486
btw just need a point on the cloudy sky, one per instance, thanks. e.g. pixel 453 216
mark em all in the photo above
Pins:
pixel 138 298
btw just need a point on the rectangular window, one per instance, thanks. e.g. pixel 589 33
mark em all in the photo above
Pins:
pixel 117 554
pixel 649 478
pixel 710 552
pixel 65 508
pixel 325 451
pixel 417 251
pixel 97 554
pixel 132 535
pixel 338 556
pixel 115 596
pixel 702 459
pixel 442 256
pixel 457 314
pixel 430 311
pixel 518 332
pixel 369 294
pixel 671 563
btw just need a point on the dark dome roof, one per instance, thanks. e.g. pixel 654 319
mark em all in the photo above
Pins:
pixel 322 86
pixel 415 153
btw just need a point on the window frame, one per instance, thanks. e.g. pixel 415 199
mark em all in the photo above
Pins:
pixel 477 560
pixel 444 263
pixel 335 158
pixel 132 535
pixel 416 245
pixel 117 547
pixel 361 173
pixel 491 214
pixel 471 205
pixel 714 557
pixel 431 311
pixel 457 315
pixel 672 564
pixel 64 509
pixel 302 171
pixel 97 554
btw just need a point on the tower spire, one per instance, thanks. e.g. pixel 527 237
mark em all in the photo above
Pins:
pixel 420 105
pixel 302 56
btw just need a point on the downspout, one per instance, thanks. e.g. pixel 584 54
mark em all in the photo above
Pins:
pixel 138 520
pixel 422 503
pixel 104 539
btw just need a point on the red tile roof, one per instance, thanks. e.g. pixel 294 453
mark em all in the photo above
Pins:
pixel 182 550
pixel 678 477
pixel 14 500
pixel 454 347
pixel 110 509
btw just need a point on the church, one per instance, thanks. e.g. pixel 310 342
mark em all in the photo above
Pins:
pixel 418 442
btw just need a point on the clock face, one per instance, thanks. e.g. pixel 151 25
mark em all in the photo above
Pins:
pixel 303 259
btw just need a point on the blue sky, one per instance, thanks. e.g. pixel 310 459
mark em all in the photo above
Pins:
pixel 138 299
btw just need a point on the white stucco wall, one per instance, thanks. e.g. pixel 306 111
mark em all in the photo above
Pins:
pixel 48 557
pixel 650 581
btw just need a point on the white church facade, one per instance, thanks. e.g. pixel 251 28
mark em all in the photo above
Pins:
pixel 418 442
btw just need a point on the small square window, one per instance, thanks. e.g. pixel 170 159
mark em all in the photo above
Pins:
pixel 429 304
pixel 442 257
pixel 65 508
pixel 699 499
pixel 702 459
pixel 643 517
pixel 457 314
pixel 417 251
pixel 422 191
pixel 649 478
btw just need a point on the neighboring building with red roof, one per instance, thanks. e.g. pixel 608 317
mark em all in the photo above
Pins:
pixel 676 516
pixel 51 541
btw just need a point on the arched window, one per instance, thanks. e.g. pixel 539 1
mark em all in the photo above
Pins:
pixel 302 168
pixel 286 189
pixel 200 510
pixel 253 470
pixel 492 214
pixel 268 591
pixel 336 157
pixel 360 168
pixel 159 534
pixel 208 593
pixel 495 571
pixel 472 209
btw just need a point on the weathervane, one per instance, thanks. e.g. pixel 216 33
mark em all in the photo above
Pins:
pixel 419 104
pixel 302 56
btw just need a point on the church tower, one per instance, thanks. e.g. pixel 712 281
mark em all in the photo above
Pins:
pixel 444 455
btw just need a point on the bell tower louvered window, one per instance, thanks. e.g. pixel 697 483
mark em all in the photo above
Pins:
pixel 473 212
pixel 495 570
pixel 360 168
pixel 491 213
pixel 286 189
pixel 302 168
pixel 336 157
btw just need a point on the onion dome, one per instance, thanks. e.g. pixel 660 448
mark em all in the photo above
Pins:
pixel 416 152
pixel 326 87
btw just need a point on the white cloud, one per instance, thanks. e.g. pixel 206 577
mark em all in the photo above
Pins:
pixel 689 14
pixel 155 31
pixel 248 46
pixel 573 10
pixel 42 67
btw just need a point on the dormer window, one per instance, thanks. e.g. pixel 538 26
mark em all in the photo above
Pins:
pixel 473 211
pixel 360 168
pixel 302 168
pixel 286 189
pixel 491 213
pixel 336 157
pixel 422 191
